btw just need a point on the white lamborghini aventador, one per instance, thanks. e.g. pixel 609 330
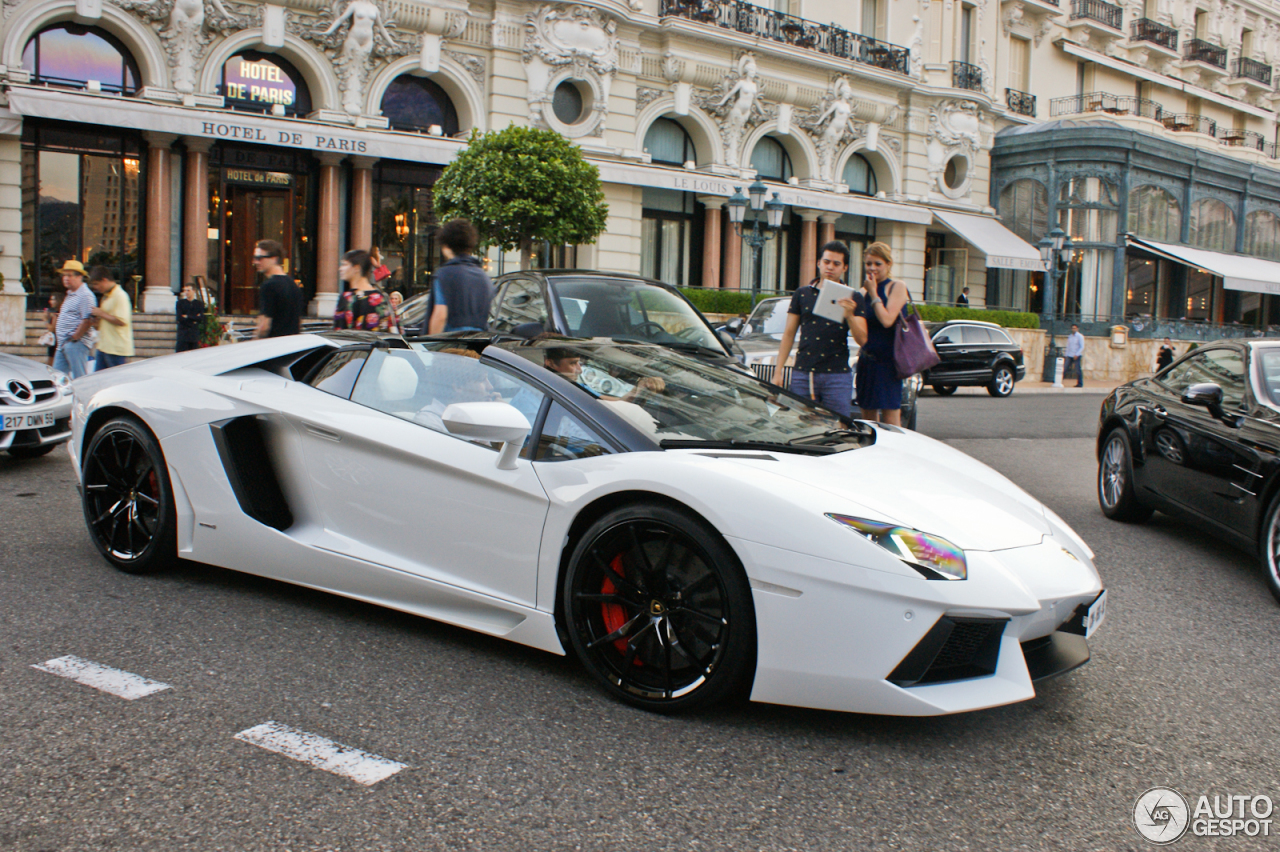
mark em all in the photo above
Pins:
pixel 688 531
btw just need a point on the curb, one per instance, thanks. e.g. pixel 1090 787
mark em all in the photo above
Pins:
pixel 1020 390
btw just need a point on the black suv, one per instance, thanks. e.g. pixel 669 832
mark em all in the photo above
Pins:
pixel 974 353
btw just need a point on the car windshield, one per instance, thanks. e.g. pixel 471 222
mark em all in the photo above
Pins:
pixel 681 401
pixel 619 308
pixel 769 317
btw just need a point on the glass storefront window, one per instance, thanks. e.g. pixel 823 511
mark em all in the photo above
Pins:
pixel 1262 234
pixel 405 223
pixel 1087 288
pixel 73 55
pixel 1143 286
pixel 1241 307
pixel 1154 213
pixel 418 104
pixel 859 177
pixel 1024 209
pixel 258 82
pixel 666 231
pixel 771 161
pixel 1199 295
pixel 1213 225
pixel 668 143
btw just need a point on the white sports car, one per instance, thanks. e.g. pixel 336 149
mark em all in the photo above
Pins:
pixel 35 407
pixel 688 531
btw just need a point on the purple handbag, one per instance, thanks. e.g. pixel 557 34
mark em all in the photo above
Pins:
pixel 913 351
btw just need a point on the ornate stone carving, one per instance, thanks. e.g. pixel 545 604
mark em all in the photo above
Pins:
pixel 185 28
pixel 579 40
pixel 367 35
pixel 955 130
pixel 1012 17
pixel 831 124
pixel 646 96
pixel 915 47
pixel 473 64
pixel 894 144
pixel 1042 30
pixel 736 102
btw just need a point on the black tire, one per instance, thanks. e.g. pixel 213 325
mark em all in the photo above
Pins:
pixel 31 452
pixel 1116 494
pixel 645 571
pixel 1002 381
pixel 943 390
pixel 127 498
pixel 1269 548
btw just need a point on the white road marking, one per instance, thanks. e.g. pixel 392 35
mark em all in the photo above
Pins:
pixel 124 684
pixel 360 766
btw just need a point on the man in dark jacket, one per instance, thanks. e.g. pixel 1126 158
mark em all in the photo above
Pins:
pixel 461 291
pixel 190 311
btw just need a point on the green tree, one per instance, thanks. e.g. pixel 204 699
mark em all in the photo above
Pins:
pixel 523 185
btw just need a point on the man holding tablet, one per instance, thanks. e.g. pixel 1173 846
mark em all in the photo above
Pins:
pixel 821 370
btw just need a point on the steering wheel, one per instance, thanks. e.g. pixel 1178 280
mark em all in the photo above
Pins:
pixel 649 328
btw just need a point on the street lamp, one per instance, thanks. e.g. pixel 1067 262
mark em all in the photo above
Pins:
pixel 757 236
pixel 1055 253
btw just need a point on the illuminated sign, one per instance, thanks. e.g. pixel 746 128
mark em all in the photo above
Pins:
pixel 258 178
pixel 258 81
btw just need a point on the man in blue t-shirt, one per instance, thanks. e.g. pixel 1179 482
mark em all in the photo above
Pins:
pixel 461 291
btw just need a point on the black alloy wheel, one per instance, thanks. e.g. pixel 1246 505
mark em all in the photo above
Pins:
pixel 1269 548
pixel 128 501
pixel 1002 381
pixel 658 609
pixel 1116 493
pixel 31 452
pixel 943 390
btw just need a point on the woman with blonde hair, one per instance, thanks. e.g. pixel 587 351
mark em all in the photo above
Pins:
pixel 879 309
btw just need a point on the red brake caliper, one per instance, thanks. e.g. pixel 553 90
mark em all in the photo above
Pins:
pixel 614 615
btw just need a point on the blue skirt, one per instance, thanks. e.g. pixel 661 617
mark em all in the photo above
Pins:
pixel 877 384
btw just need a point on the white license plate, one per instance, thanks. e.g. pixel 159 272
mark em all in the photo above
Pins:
pixel 1095 615
pixel 27 421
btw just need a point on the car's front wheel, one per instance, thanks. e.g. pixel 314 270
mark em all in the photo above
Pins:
pixel 1116 491
pixel 1269 548
pixel 658 609
pixel 1002 382
pixel 128 501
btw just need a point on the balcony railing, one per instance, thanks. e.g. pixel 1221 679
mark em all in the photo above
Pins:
pixel 1145 29
pixel 1105 102
pixel 1185 123
pixel 1252 69
pixel 1098 10
pixel 1020 102
pixel 759 22
pixel 1242 139
pixel 62 82
pixel 966 76
pixel 1199 50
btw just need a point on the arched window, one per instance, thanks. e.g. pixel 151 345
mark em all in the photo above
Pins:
pixel 668 143
pixel 260 82
pixel 419 104
pixel 1262 234
pixel 80 57
pixel 1024 209
pixel 770 160
pixel 1088 212
pixel 1155 213
pixel 859 176
pixel 1213 225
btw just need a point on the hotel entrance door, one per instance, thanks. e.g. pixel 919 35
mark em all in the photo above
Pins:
pixel 254 214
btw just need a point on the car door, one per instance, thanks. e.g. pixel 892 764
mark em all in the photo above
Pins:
pixel 982 349
pixel 972 342
pixel 949 345
pixel 396 489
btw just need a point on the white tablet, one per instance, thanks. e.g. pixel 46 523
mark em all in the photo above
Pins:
pixel 829 296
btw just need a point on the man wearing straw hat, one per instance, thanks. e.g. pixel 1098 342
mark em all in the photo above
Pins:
pixel 74 321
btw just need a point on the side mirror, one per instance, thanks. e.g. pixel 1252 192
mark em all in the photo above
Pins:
pixel 1207 394
pixel 941 340
pixel 734 326
pixel 489 421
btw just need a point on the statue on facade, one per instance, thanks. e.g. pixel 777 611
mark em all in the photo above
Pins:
pixel 915 47
pixel 833 125
pixel 184 27
pixel 739 105
pixel 364 26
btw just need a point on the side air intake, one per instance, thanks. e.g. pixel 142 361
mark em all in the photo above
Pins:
pixel 242 446
pixel 953 649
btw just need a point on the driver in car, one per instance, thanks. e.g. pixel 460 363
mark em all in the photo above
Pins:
pixel 568 363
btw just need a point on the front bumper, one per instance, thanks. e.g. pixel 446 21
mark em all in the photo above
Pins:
pixel 41 436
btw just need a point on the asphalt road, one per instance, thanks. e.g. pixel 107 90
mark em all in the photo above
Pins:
pixel 510 748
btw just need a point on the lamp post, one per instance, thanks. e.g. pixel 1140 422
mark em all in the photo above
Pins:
pixel 758 235
pixel 1055 253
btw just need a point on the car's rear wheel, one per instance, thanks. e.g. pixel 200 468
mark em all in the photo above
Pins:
pixel 128 501
pixel 1269 548
pixel 31 452
pixel 1116 492
pixel 944 390
pixel 1002 382
pixel 658 609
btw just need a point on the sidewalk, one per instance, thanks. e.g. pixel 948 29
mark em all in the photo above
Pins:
pixel 1091 386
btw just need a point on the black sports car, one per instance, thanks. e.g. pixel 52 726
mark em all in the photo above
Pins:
pixel 1200 440
pixel 974 353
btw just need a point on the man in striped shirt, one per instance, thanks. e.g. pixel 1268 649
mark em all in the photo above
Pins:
pixel 74 320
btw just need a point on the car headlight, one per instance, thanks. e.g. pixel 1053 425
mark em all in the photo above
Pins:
pixel 61 380
pixel 933 556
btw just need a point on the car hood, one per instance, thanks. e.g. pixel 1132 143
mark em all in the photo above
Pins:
pixel 917 482
pixel 14 367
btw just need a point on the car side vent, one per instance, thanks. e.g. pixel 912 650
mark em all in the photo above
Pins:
pixel 953 649
pixel 242 447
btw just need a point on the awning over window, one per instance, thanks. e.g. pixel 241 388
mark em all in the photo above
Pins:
pixel 1238 272
pixel 1004 249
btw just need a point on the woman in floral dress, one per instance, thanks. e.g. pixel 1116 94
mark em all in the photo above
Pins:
pixel 362 306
